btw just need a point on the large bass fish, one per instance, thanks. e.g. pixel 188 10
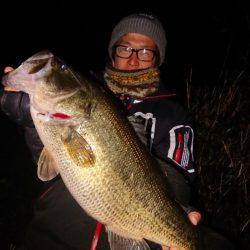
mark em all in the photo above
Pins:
pixel 90 142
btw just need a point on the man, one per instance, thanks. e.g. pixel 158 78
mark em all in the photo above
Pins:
pixel 137 50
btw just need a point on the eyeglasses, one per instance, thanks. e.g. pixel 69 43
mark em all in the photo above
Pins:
pixel 145 55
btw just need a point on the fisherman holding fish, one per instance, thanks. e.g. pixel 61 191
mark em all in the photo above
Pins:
pixel 137 50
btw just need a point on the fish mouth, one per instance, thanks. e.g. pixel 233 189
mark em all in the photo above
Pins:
pixel 6 83
pixel 11 85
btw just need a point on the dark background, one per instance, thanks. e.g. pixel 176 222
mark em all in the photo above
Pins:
pixel 207 37
pixel 211 40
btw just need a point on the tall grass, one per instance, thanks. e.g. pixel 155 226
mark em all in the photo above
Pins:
pixel 222 118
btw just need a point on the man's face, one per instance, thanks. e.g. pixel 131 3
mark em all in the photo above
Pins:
pixel 130 43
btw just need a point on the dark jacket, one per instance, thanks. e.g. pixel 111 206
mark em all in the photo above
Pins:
pixel 167 127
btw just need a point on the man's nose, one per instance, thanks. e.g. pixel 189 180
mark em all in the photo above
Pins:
pixel 133 60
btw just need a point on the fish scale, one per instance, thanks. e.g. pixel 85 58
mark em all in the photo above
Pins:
pixel 103 163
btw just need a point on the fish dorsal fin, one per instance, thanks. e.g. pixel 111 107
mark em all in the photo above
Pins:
pixel 118 242
pixel 46 169
pixel 78 148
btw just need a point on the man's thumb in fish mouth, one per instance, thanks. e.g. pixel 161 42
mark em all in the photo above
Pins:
pixel 8 69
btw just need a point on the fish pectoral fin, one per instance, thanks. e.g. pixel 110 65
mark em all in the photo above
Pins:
pixel 46 169
pixel 78 148
pixel 118 242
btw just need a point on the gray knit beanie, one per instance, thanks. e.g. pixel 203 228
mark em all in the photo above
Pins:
pixel 144 24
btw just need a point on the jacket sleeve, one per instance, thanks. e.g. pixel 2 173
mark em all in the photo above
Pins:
pixel 16 106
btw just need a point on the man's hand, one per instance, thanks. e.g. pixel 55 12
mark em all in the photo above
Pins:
pixel 194 217
pixel 7 70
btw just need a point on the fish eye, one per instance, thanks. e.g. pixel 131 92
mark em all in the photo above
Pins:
pixel 64 66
